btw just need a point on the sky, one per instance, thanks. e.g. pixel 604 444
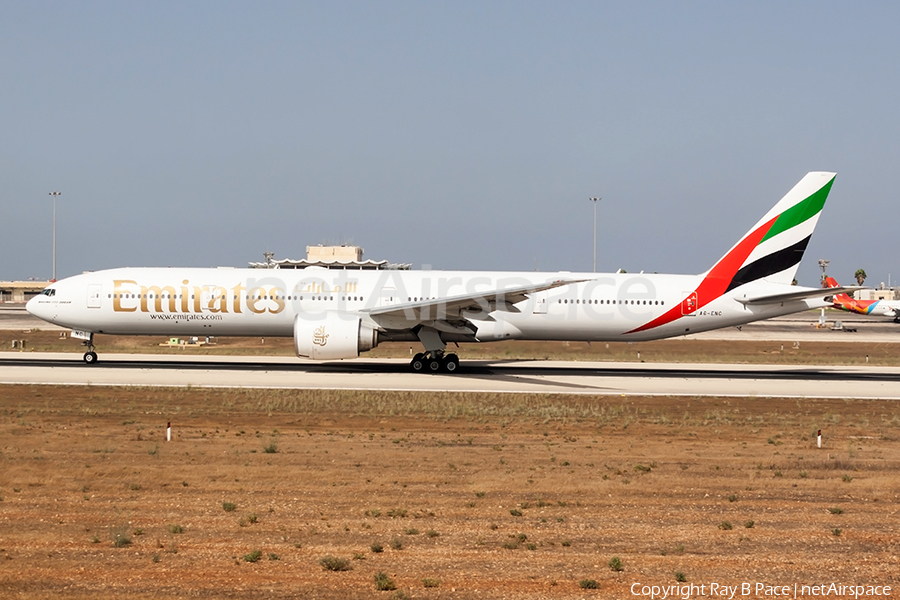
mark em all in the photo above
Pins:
pixel 454 135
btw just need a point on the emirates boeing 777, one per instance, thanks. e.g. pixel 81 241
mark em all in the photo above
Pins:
pixel 337 314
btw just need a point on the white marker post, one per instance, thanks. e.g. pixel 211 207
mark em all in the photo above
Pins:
pixel 819 439
pixel 169 432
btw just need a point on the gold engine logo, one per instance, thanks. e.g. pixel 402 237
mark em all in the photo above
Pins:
pixel 320 338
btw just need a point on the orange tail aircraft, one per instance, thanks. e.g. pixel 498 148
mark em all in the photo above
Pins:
pixel 843 301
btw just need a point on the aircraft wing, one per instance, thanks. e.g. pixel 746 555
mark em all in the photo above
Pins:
pixel 800 294
pixel 451 309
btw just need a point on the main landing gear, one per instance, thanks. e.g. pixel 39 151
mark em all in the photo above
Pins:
pixel 433 359
pixel 432 362
pixel 90 357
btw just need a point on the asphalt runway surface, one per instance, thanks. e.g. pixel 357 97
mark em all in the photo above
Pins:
pixel 589 378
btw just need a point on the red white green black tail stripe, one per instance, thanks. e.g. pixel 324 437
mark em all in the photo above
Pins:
pixel 770 251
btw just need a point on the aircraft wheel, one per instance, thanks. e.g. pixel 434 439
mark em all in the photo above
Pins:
pixel 418 363
pixel 90 357
pixel 434 365
pixel 451 363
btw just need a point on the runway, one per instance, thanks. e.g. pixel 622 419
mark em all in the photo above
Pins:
pixel 590 378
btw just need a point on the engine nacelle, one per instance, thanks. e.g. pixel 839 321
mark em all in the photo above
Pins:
pixel 338 335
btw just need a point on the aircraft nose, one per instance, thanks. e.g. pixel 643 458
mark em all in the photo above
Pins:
pixel 39 307
pixel 31 306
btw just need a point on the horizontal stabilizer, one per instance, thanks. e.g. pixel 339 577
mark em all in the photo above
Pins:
pixel 801 294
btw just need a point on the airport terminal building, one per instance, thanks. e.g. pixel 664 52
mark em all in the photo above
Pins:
pixel 20 291
pixel 329 257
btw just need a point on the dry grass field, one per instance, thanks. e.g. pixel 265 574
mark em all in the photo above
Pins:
pixel 672 350
pixel 270 494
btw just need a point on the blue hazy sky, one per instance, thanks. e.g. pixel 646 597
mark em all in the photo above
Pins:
pixel 461 135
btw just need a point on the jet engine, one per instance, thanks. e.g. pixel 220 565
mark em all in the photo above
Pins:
pixel 338 335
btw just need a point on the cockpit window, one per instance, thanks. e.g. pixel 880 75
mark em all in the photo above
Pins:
pixel 48 292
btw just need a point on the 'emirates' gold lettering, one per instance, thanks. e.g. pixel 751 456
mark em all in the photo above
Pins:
pixel 130 296
pixel 119 291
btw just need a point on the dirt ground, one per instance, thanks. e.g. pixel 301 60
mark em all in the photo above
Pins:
pixel 466 495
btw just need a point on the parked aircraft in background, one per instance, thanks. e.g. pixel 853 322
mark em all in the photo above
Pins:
pixel 883 308
pixel 336 314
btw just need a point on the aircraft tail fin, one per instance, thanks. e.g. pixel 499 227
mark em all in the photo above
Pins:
pixel 772 249
pixel 831 282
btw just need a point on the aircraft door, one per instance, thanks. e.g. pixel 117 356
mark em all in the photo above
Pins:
pixel 94 291
pixel 540 302
pixel 388 297
pixel 689 304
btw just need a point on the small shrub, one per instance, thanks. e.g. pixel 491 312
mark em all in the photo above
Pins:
pixel 642 468
pixel 479 494
pixel 679 577
pixel 835 510
pixel 432 533
pixel 334 563
pixel 137 532
pixel 134 487
pixel 253 556
pixel 377 548
pixel 271 448
pixel 589 584
pixel 359 556
pixel 156 557
pixel 411 531
pixel 430 583
pixel 530 546
pixel 749 524
pixel 515 512
pixel 383 583
pixel 836 531
pixel 566 543
pixel 373 513
pixel 732 498
pixel 615 564
pixel 121 539
pixel 803 474
pixel 397 513
pixel 176 529
pixel 510 545
pixel 846 478
pixel 396 544
pixel 95 540
pixel 778 474
pixel 273 556
pixel 229 506
pixel 725 526
pixel 252 518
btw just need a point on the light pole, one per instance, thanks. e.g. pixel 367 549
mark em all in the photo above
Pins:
pixel 595 200
pixel 55 195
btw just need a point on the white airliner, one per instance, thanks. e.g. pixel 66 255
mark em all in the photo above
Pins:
pixel 337 314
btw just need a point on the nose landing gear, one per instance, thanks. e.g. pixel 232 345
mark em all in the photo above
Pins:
pixel 90 357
